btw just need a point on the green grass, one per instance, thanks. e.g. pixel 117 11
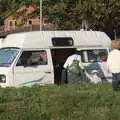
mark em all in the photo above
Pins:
pixel 64 102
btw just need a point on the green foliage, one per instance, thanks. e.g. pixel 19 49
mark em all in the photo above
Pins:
pixel 69 14
pixel 65 102
pixel 20 104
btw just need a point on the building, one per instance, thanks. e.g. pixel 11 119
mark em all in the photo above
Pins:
pixel 25 19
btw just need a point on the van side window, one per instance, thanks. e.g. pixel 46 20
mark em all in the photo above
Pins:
pixel 94 55
pixel 97 55
pixel 30 58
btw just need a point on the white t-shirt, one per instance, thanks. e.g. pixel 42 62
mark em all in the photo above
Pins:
pixel 70 60
pixel 113 61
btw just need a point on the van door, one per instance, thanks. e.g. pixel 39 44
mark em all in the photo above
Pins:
pixel 95 64
pixel 34 67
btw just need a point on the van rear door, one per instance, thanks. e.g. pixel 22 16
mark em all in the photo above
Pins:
pixel 34 67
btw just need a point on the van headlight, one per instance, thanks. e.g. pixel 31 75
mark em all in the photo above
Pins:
pixel 2 78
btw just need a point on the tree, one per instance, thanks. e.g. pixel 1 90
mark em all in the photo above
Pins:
pixel 69 14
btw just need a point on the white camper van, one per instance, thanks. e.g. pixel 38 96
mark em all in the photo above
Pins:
pixel 34 57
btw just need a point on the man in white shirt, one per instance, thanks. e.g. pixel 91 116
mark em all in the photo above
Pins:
pixel 73 77
pixel 70 60
pixel 113 62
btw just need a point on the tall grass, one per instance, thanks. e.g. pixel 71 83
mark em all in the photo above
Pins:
pixel 64 102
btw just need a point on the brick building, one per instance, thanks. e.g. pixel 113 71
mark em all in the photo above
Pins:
pixel 25 17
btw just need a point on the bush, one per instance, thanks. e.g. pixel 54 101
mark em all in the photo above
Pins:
pixel 64 102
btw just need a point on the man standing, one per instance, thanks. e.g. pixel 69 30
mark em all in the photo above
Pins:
pixel 74 68
pixel 113 62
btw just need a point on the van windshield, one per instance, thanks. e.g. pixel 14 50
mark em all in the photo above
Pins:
pixel 7 55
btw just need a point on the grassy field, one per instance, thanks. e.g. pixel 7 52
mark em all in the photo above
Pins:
pixel 64 102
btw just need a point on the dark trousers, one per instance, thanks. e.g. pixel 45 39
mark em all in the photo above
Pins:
pixel 116 81
pixel 64 76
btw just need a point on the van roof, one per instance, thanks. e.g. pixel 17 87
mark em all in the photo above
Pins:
pixel 42 39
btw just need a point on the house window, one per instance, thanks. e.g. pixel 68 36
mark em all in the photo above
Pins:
pixel 11 23
pixel 15 23
pixel 29 22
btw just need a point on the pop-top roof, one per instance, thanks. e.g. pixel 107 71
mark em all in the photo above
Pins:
pixel 43 39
